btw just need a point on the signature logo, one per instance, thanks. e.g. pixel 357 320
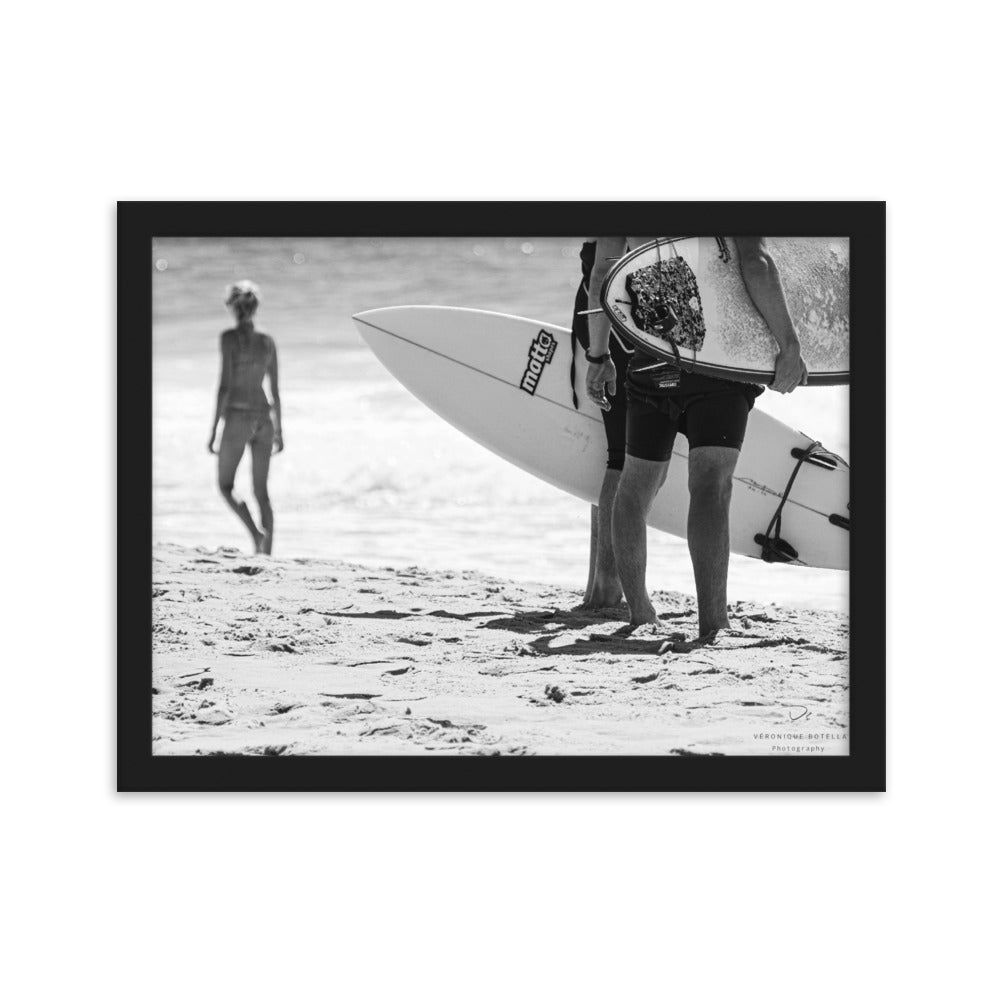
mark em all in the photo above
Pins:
pixel 798 713
pixel 539 355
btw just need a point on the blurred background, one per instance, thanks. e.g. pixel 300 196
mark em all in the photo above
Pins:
pixel 369 474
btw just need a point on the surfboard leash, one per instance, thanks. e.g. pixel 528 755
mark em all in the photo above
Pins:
pixel 572 359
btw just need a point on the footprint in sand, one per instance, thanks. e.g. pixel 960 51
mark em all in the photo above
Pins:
pixel 199 685
pixel 520 649
pixel 212 716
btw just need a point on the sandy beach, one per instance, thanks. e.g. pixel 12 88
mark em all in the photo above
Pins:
pixel 312 656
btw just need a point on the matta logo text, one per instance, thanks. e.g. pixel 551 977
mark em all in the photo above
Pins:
pixel 540 354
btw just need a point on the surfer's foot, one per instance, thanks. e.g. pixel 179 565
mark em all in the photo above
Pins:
pixel 643 616
pixel 258 542
pixel 267 540
pixel 680 644
pixel 604 594
pixel 707 633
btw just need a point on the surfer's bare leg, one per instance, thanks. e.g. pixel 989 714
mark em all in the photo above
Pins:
pixel 604 589
pixel 595 513
pixel 260 456
pixel 710 483
pixel 231 449
pixel 640 481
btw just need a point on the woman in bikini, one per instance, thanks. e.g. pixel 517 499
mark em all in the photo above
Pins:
pixel 247 356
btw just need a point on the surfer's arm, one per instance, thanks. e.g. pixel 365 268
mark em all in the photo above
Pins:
pixel 601 376
pixel 272 372
pixel 222 397
pixel 608 248
pixel 763 283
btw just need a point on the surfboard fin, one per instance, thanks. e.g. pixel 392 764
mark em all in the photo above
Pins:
pixel 776 549
pixel 824 459
pixel 649 368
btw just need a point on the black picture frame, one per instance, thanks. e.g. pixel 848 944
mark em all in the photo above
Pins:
pixel 139 770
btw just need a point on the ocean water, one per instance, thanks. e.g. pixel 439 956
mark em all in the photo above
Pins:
pixel 369 474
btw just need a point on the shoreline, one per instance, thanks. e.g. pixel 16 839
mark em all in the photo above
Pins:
pixel 292 656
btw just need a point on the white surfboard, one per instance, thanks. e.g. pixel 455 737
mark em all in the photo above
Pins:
pixel 505 382
pixel 683 298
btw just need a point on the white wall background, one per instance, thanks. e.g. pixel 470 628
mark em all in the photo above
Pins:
pixel 694 896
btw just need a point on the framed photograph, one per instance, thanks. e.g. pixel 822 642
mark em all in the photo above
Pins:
pixel 501 496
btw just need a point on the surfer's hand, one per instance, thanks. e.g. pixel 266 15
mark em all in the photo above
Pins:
pixel 211 444
pixel 279 442
pixel 789 370
pixel 601 380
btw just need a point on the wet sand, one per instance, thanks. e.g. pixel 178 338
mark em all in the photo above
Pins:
pixel 257 655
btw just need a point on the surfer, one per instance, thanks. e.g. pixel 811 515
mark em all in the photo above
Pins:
pixel 247 356
pixel 712 413
pixel 604 589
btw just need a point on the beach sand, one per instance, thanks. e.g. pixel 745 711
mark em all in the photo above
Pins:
pixel 253 655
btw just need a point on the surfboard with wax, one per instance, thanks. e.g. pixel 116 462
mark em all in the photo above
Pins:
pixel 683 299
pixel 504 381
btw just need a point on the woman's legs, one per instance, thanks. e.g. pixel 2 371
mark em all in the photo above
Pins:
pixel 231 447
pixel 260 458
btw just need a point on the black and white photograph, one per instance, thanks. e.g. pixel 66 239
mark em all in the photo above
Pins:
pixel 499 500
pixel 503 496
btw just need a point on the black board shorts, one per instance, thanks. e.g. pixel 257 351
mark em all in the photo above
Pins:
pixel 614 419
pixel 707 411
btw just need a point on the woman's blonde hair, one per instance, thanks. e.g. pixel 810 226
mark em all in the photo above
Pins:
pixel 242 289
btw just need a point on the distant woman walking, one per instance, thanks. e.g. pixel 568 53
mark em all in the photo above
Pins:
pixel 247 356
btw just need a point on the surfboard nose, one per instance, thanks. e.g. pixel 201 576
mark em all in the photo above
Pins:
pixel 370 315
